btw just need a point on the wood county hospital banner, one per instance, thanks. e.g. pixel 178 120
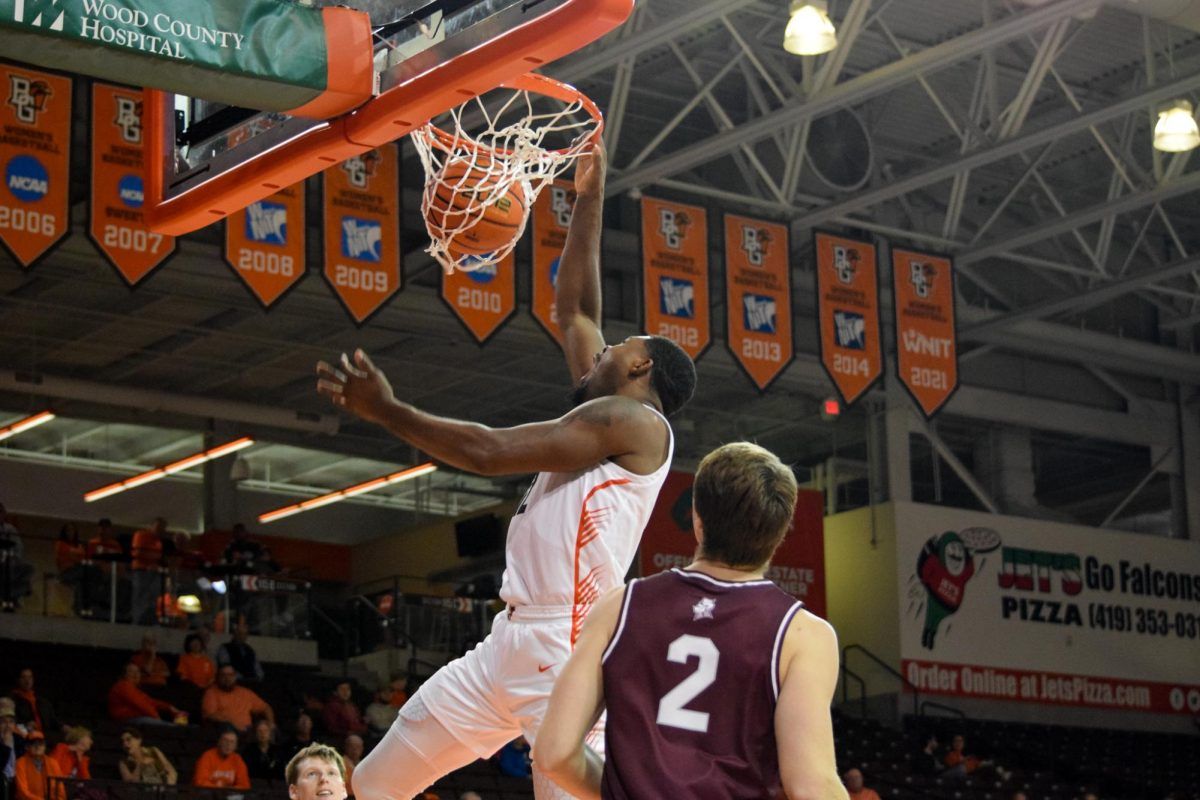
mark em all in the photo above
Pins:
pixel 799 564
pixel 1010 609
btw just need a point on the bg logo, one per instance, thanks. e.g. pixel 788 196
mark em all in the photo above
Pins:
pixel 561 202
pixel 360 169
pixel 946 563
pixel 673 227
pixel 756 243
pixel 27 98
pixel 40 13
pixel 921 275
pixel 129 119
pixel 845 263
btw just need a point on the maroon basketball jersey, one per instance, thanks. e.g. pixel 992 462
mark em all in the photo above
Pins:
pixel 691 678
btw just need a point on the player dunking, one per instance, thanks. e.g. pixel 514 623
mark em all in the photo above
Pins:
pixel 599 467
pixel 717 683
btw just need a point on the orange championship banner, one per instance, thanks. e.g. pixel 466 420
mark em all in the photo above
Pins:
pixel 926 341
pixel 848 313
pixel 551 219
pixel 675 273
pixel 264 244
pixel 117 226
pixel 361 207
pixel 35 151
pixel 758 297
pixel 482 299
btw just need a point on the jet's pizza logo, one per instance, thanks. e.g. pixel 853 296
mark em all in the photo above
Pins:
pixel 673 227
pixel 921 275
pixel 944 567
pixel 27 98
pixel 756 243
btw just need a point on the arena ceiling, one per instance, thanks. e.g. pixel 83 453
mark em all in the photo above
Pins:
pixel 1013 135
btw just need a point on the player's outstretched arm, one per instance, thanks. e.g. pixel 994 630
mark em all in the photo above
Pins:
pixel 578 698
pixel 607 427
pixel 803 726
pixel 577 298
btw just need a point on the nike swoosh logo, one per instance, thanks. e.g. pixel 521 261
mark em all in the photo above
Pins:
pixel 543 669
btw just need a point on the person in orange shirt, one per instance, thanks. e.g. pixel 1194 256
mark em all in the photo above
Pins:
pixel 34 771
pixel 128 703
pixel 225 701
pixel 154 670
pixel 195 667
pixel 221 767
pixel 853 779
pixel 71 754
pixel 147 552
pixel 69 553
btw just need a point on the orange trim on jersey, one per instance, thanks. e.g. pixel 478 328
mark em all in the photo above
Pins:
pixel 587 588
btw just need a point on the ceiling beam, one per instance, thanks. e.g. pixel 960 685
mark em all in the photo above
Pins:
pixel 851 92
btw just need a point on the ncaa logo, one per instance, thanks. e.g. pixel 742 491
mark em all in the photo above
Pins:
pixel 129 189
pixel 485 274
pixel 561 203
pixel 129 118
pixel 27 98
pixel 40 13
pixel 360 169
pixel 845 263
pixel 554 271
pixel 266 222
pixel 921 275
pixel 27 179
pixel 755 244
pixel 672 227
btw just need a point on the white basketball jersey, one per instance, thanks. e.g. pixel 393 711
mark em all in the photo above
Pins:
pixel 575 534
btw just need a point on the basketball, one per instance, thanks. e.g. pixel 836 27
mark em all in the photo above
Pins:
pixel 463 198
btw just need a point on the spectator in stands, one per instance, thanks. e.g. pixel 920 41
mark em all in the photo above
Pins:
pixel 154 669
pixel 226 701
pixel 853 779
pixel 399 690
pixel 381 713
pixel 514 759
pixel 71 753
pixel 240 655
pixel 1018 796
pixel 96 576
pixel 264 758
pixel 105 542
pixel 147 552
pixel 16 574
pixel 34 771
pixel 960 764
pixel 195 667
pixel 242 551
pixel 12 747
pixel 221 767
pixel 341 716
pixel 128 703
pixel 317 772
pixel 69 554
pixel 352 753
pixel 34 711
pixel 470 796
pixel 143 763
pixel 302 734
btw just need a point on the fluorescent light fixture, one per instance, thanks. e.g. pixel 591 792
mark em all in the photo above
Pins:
pixel 348 492
pixel 170 469
pixel 22 425
pixel 809 30
pixel 1175 131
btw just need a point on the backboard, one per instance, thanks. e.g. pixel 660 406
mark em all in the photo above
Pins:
pixel 206 160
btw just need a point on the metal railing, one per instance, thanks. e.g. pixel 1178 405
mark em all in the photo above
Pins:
pixel 919 706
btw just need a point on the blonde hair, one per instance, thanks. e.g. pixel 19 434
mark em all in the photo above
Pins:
pixel 322 752
pixel 76 734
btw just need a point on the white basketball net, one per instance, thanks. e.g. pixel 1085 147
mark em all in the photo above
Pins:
pixel 511 149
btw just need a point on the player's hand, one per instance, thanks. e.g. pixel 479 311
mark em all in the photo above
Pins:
pixel 590 170
pixel 358 387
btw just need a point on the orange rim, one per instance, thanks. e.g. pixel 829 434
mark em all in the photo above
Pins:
pixel 530 82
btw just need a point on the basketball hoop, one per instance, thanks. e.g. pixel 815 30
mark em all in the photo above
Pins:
pixel 480 187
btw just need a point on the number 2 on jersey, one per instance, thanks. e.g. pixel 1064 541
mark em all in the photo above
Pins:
pixel 671 711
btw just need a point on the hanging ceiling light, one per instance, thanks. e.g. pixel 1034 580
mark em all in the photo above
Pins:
pixel 809 31
pixel 170 469
pixel 1176 130
pixel 348 492
pixel 25 424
